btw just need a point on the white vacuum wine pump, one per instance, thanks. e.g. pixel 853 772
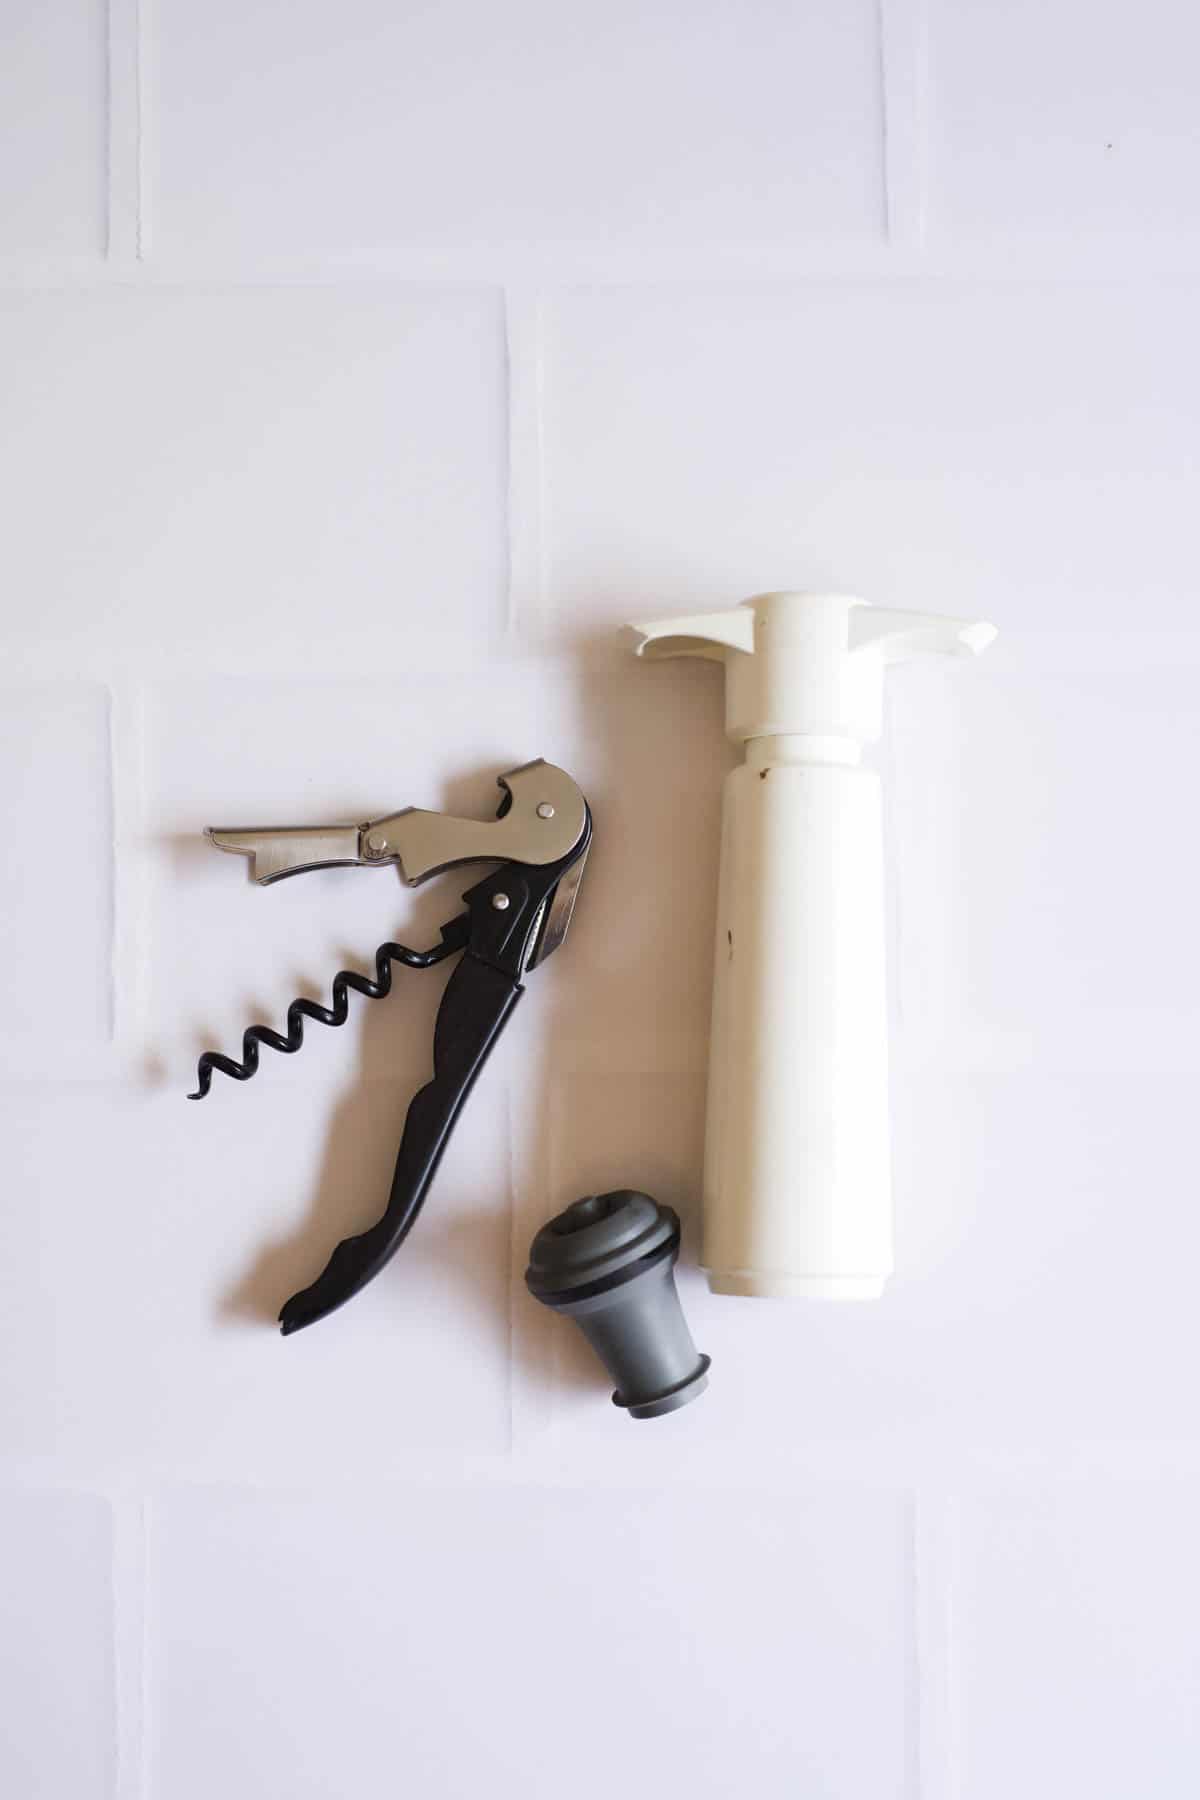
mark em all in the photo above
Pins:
pixel 797 1185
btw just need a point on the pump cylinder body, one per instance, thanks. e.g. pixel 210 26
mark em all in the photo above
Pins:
pixel 797 1190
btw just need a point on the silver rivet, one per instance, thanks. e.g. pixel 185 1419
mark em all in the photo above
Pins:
pixel 500 902
pixel 545 810
pixel 376 843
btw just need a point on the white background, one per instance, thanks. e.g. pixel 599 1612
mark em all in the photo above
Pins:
pixel 364 366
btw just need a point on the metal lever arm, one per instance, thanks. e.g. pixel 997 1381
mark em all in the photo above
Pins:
pixel 541 817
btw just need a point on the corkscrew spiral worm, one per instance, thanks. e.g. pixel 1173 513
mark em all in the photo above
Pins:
pixel 454 937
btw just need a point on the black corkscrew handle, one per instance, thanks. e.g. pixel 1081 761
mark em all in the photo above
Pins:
pixel 515 916
pixel 476 1006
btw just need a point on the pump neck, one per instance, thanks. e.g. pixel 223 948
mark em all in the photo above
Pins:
pixel 778 747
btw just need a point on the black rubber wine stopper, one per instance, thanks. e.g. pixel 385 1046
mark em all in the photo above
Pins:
pixel 608 1262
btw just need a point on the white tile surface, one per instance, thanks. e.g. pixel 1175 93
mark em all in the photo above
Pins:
pixel 305 518
pixel 1076 1616
pixel 151 1243
pixel 1025 453
pixel 1036 1217
pixel 58 1722
pixel 655 125
pixel 1044 890
pixel 1056 121
pixel 259 1195
pixel 55 817
pixel 66 1323
pixel 443 1643
pixel 250 468
pixel 52 99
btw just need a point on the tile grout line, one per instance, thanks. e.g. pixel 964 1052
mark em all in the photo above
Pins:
pixel 143 1763
pixel 937 1772
pixel 130 1637
pixel 123 134
pixel 903 58
pixel 130 867
pixel 321 655
pixel 523 618
pixel 541 572
pixel 955 1763
pixel 894 891
pixel 903 258
pixel 525 613
pixel 112 999
pixel 146 54
pixel 532 1131
pixel 510 1126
